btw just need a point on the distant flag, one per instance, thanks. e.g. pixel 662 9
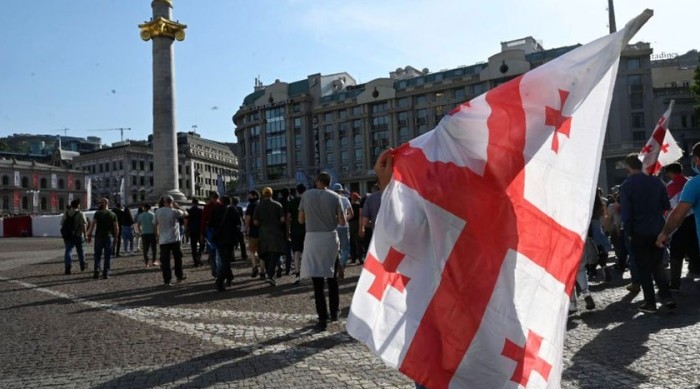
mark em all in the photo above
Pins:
pixel 122 192
pixel 88 195
pixel 220 187
pixel 251 182
pixel 438 298
pixel 661 149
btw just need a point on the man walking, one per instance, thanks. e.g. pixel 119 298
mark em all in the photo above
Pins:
pixel 73 223
pixel 207 230
pixel 270 218
pixel 169 238
pixel 343 231
pixel 644 202
pixel 146 224
pixel 296 230
pixel 193 224
pixel 104 223
pixel 228 226
pixel 321 212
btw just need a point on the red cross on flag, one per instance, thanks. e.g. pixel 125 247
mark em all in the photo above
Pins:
pixel 661 149
pixel 482 226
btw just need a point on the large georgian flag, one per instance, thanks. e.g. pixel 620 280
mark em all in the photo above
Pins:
pixel 661 149
pixel 481 229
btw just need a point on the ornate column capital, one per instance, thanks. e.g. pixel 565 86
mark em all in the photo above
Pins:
pixel 162 27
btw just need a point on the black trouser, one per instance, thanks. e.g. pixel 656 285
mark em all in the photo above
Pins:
pixel 224 272
pixel 271 260
pixel 240 241
pixel 320 297
pixel 117 242
pixel 148 241
pixel 165 250
pixel 684 242
pixel 196 247
pixel 367 239
pixel 648 258
pixel 617 239
pixel 355 246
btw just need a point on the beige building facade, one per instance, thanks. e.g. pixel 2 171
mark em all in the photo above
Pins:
pixel 289 132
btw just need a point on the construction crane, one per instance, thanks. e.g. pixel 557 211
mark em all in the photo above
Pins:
pixel 63 130
pixel 121 130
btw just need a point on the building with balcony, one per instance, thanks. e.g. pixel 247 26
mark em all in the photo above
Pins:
pixel 289 132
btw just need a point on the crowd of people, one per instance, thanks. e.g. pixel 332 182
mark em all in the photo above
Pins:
pixel 643 225
pixel 295 232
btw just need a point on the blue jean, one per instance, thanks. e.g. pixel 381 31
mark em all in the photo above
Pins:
pixel 76 242
pixel 214 259
pixel 128 238
pixel 103 245
pixel 344 236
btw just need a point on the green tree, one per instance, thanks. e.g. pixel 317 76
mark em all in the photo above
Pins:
pixel 695 88
pixel 231 186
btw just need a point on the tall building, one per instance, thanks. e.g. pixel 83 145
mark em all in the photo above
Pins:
pixel 289 132
pixel 200 163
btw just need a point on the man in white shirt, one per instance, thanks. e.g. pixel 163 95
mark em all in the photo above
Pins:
pixel 169 238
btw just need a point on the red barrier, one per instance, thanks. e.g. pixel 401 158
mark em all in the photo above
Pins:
pixel 17 227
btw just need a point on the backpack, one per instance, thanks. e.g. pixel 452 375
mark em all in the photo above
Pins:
pixel 68 228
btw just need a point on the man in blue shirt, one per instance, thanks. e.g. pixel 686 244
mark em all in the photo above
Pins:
pixel 644 201
pixel 690 198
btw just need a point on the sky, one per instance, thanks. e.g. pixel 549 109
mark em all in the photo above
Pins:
pixel 80 64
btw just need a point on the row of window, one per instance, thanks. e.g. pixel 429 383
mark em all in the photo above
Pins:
pixel 43 183
pixel 24 204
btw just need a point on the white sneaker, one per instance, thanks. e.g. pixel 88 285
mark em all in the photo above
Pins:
pixel 572 306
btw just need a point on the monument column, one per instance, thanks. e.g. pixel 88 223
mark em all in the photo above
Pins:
pixel 163 31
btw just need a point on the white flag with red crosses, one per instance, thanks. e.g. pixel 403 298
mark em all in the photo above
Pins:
pixel 661 149
pixel 480 231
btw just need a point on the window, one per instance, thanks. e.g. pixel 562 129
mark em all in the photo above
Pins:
pixel 638 120
pixel 5 180
pixel 380 123
pixel 61 203
pixel 142 165
pixel 77 185
pixel 25 182
pixel 636 101
pixel 328 116
pixel 403 102
pixel 632 63
pixel 639 135
pixel 121 165
pixel 106 166
pixel 5 202
pixel 134 180
pixel 142 180
pixel 634 79
pixel 150 166
pixel 478 89
pixel 420 100
pixel 459 94
pixel 379 108
pixel 61 183
pixel 357 110
pixel 343 114
pixel 25 202
pixel 296 108
pixel 684 121
pixel 43 204
pixel 42 183
pixel 114 165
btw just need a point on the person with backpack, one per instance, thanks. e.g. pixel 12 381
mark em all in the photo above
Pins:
pixel 104 224
pixel 73 225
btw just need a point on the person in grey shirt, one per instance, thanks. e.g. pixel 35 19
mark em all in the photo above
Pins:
pixel 321 211
pixel 169 238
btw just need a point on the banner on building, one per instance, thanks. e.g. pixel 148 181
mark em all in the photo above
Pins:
pixel 17 178
pixel 16 200
pixel 70 182
pixel 88 187
pixel 70 198
pixel 54 181
pixel 54 201
pixel 35 180
pixel 35 199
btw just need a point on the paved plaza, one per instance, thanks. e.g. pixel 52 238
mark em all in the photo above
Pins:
pixel 131 332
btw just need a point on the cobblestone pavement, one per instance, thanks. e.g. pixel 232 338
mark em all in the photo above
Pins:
pixel 131 332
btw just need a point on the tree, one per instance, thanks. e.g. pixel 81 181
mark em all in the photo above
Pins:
pixel 231 186
pixel 695 88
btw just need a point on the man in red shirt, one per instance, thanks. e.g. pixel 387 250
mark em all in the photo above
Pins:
pixel 207 230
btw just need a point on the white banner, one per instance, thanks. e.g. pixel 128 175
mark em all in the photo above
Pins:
pixel 54 181
pixel 35 198
pixel 70 198
pixel 88 186
pixel 17 183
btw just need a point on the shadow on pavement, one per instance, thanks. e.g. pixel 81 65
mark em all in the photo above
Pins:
pixel 230 365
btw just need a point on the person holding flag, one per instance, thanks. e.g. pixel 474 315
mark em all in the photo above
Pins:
pixel 459 288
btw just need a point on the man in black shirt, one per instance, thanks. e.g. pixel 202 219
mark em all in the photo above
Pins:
pixel 192 226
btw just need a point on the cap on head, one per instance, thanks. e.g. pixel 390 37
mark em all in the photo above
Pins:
pixel 337 187
pixel 267 191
